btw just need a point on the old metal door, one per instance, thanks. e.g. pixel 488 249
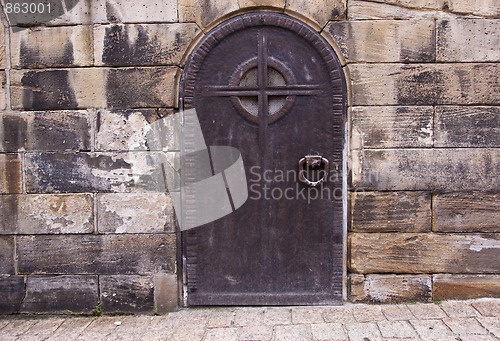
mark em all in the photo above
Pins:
pixel 273 88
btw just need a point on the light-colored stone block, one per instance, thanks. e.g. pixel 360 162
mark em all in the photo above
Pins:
pixel 10 174
pixel 394 211
pixel 461 287
pixel 397 330
pixel 486 8
pixel 390 288
pixel 80 14
pixel 391 127
pixel 385 41
pixel 468 40
pixel 370 10
pixel 135 213
pixel 166 292
pixel 421 84
pixel 138 11
pixel 446 169
pixel 464 126
pixel 143 44
pixel 140 129
pixel 3 56
pixel 409 253
pixel 276 4
pixel 46 214
pixel 205 13
pixel 318 11
pixel 466 212
pixel 52 47
pixel 95 172
pixel 80 88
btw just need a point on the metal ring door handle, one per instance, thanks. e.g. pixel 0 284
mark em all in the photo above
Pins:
pixel 313 161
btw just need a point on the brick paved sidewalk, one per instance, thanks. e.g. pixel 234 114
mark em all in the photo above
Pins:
pixel 473 320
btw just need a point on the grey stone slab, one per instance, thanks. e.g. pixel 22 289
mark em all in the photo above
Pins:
pixel 277 316
pixel 46 214
pixel 425 84
pixel 487 307
pixel 249 317
pixel 142 11
pixel 466 212
pixel 367 313
pixel 43 329
pixel 397 312
pixel 95 172
pixel 96 254
pixel 328 331
pixel 82 88
pixel 458 309
pixel 363 331
pixel 464 126
pixel 394 41
pixel 143 44
pixel 465 326
pixel 468 40
pixel 221 334
pixel 51 294
pixel 7 255
pixel 139 129
pixel 307 315
pixel 166 294
pixel 392 127
pixel 16 328
pixel 52 47
pixel 70 329
pixel 262 333
pixel 492 324
pixel 391 212
pixel 135 213
pixel 440 169
pixel 13 291
pixel 397 329
pixel 407 253
pixel 221 319
pixel 49 131
pixel 146 87
pixel 427 311
pixel 126 293
pixel 342 314
pixel 432 330
pixel 301 332
pixel 100 329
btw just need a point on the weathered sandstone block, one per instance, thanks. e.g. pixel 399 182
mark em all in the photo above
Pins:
pixel 12 289
pixel 10 174
pixel 127 293
pixel 462 287
pixel 6 255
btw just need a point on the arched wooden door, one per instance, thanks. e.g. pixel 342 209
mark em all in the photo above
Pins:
pixel 272 87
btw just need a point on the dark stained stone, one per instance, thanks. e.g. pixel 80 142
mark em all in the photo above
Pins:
pixel 127 293
pixel 96 254
pixel 12 292
pixel 60 294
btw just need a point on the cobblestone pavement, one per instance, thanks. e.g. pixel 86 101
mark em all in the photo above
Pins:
pixel 473 320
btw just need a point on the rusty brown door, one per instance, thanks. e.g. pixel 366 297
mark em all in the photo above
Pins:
pixel 273 88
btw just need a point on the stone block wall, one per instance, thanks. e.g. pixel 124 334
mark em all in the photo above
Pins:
pixel 424 141
pixel 79 230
